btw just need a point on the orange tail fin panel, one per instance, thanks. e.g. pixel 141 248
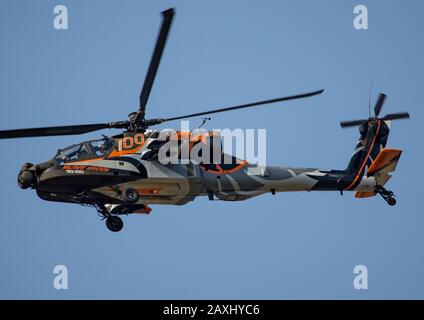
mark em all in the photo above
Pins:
pixel 380 169
pixel 386 158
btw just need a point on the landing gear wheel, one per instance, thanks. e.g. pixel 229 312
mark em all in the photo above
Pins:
pixel 130 195
pixel 391 201
pixel 114 223
pixel 387 195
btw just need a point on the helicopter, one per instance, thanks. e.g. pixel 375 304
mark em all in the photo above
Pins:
pixel 122 174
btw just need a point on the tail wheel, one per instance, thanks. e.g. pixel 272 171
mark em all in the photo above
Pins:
pixel 130 195
pixel 391 201
pixel 114 223
pixel 387 195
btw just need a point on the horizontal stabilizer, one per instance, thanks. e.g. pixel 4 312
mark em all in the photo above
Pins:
pixel 364 194
pixel 385 163
pixel 386 158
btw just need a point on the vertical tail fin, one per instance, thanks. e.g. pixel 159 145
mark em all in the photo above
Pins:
pixel 373 138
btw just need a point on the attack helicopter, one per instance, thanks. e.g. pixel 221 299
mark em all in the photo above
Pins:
pixel 122 174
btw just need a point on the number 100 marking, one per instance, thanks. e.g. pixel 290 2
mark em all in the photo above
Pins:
pixel 129 143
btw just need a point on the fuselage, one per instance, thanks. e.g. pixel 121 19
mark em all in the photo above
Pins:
pixel 100 170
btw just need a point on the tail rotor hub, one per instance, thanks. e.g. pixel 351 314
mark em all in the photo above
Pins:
pixel 374 120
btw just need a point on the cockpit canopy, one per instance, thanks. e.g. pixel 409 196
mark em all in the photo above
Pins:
pixel 85 151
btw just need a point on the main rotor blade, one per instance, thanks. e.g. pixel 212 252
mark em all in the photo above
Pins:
pixel 353 123
pixel 254 104
pixel 155 61
pixel 379 104
pixel 59 130
pixel 396 116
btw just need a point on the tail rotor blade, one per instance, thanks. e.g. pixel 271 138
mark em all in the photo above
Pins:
pixel 397 116
pixel 379 104
pixel 353 123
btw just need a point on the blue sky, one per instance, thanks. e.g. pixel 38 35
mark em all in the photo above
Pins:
pixel 294 245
